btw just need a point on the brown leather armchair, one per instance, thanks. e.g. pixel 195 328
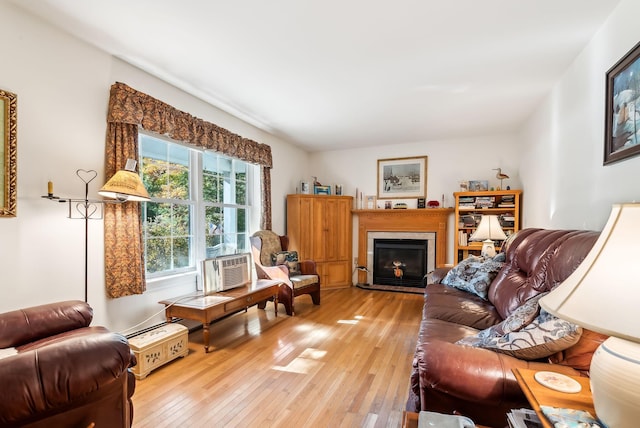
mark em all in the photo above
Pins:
pixel 264 243
pixel 57 371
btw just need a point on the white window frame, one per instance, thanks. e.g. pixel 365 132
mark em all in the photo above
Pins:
pixel 197 220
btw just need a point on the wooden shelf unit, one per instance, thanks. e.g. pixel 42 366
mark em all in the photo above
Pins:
pixel 320 228
pixel 462 251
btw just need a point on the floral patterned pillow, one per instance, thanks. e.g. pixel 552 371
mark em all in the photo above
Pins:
pixel 521 317
pixel 474 274
pixel 289 258
pixel 542 337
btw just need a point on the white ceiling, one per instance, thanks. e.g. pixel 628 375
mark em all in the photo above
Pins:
pixel 328 74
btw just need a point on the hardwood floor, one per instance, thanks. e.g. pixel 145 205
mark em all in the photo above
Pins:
pixel 345 363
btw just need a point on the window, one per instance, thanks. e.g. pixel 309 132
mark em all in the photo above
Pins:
pixel 201 205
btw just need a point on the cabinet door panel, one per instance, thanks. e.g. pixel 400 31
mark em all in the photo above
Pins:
pixel 337 274
pixel 342 231
pixel 319 230
pixel 304 240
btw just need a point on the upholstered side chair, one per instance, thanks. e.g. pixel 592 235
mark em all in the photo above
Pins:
pixel 268 250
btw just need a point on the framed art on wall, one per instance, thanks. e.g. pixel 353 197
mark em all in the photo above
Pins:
pixel 402 178
pixel 622 121
pixel 8 153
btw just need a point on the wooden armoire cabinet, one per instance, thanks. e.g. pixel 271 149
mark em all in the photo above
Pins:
pixel 319 227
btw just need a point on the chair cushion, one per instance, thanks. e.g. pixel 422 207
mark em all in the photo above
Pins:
pixel 300 281
pixel 270 245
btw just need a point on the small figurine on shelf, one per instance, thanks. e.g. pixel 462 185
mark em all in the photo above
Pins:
pixel 500 176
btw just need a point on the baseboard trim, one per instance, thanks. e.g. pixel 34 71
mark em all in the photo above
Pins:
pixel 394 288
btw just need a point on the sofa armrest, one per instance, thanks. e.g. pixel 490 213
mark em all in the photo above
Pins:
pixel 30 324
pixel 48 375
pixel 473 374
pixel 437 275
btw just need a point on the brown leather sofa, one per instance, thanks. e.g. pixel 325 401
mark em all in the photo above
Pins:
pixel 476 382
pixel 56 371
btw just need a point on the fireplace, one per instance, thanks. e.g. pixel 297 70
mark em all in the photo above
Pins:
pixel 428 224
pixel 392 243
pixel 401 262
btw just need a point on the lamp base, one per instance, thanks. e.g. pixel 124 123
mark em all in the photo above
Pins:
pixel 488 249
pixel 615 382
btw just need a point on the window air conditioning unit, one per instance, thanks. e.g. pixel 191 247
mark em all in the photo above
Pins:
pixel 226 272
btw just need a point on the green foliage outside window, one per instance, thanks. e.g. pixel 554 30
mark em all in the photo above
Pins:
pixel 168 230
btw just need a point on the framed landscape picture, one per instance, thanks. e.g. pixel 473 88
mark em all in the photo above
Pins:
pixel 402 178
pixel 622 121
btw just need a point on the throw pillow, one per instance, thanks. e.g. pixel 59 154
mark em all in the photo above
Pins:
pixel 288 258
pixel 521 317
pixel 474 274
pixel 543 337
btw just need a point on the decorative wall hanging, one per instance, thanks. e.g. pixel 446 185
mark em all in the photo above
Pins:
pixel 622 122
pixel 8 153
pixel 402 178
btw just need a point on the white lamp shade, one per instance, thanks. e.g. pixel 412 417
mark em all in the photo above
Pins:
pixel 489 228
pixel 603 293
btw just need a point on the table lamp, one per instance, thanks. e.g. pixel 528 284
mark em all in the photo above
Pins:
pixel 488 230
pixel 603 295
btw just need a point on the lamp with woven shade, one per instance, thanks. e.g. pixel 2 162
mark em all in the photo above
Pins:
pixel 125 185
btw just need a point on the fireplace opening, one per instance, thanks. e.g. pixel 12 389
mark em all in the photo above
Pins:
pixel 401 262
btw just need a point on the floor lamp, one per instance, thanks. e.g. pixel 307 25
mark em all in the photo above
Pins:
pixel 125 185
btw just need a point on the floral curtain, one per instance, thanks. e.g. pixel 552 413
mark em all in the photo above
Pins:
pixel 129 109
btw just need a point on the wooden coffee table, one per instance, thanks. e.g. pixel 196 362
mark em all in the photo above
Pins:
pixel 205 309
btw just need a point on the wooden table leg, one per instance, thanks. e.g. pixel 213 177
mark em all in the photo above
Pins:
pixel 205 337
pixel 275 302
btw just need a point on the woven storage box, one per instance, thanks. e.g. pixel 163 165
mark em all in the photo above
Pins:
pixel 159 346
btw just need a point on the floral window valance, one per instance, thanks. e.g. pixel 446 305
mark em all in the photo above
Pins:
pixel 127 105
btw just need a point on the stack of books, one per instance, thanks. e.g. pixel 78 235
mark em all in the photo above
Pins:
pixel 507 220
pixel 485 201
pixel 467 203
pixel 507 201
pixel 463 238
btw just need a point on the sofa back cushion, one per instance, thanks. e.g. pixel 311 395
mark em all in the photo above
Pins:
pixel 537 260
pixel 34 323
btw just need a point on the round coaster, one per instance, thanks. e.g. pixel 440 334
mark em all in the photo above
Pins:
pixel 558 382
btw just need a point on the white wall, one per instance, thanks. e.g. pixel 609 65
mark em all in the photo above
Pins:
pixel 563 142
pixel 63 86
pixel 449 162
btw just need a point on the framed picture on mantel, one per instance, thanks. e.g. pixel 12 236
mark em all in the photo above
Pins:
pixel 402 178
pixel 622 121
